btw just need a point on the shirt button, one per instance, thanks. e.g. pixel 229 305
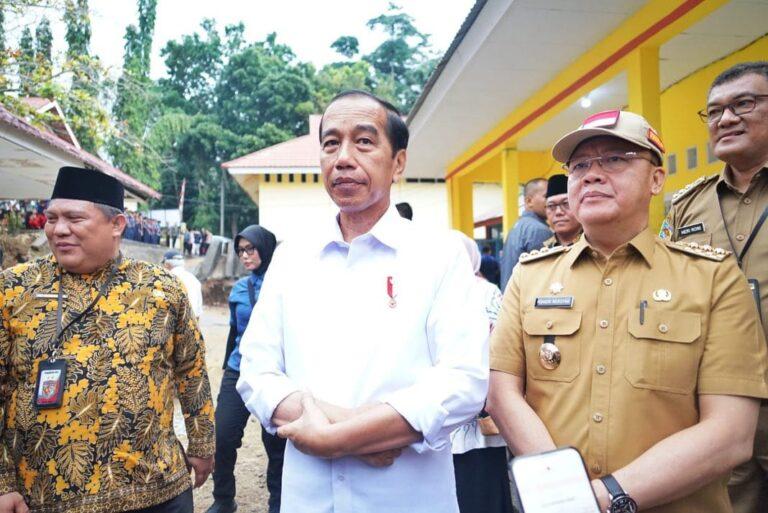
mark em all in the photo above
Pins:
pixel 341 478
pixel 747 201
pixel 740 237
pixel 663 328
pixel 603 324
pixel 596 468
pixel 608 282
pixel 600 369
pixel 548 325
pixel 597 417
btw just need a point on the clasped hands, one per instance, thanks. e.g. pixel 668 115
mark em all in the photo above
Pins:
pixel 315 434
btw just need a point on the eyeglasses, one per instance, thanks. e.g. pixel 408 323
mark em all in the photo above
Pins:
pixel 552 207
pixel 743 105
pixel 250 250
pixel 611 162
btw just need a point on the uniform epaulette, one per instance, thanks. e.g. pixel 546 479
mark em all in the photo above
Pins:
pixel 538 254
pixel 701 250
pixel 685 191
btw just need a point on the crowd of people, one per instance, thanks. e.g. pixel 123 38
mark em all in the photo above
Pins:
pixel 388 371
pixel 22 215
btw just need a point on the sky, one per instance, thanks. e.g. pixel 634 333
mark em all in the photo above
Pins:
pixel 307 26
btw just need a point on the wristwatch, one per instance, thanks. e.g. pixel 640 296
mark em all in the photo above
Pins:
pixel 621 502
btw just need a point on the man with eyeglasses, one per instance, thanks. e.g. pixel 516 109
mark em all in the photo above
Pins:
pixel 729 210
pixel 646 355
pixel 559 216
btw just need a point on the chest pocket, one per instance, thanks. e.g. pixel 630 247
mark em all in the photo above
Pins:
pixel 663 353
pixel 564 326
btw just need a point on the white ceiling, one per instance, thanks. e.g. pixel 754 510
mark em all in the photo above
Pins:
pixel 515 47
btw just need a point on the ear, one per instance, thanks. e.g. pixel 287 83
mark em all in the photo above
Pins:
pixel 400 159
pixel 658 177
pixel 118 225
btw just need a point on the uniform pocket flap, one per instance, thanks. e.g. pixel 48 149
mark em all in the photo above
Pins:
pixel 551 322
pixel 667 326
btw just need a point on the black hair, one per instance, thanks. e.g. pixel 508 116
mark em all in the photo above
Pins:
pixel 739 70
pixel 405 210
pixel 397 130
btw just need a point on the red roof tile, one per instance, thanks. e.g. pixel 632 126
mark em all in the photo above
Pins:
pixel 303 151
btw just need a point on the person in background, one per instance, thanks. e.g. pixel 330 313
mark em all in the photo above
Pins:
pixel 174 262
pixel 405 210
pixel 489 266
pixel 255 246
pixel 530 231
pixel 559 216
pixel 479 451
pixel 729 210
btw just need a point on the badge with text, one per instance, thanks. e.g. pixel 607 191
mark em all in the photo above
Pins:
pixel 553 302
pixel 51 379
pixel 685 231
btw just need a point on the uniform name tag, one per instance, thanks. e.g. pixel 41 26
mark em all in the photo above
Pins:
pixel 685 231
pixel 51 378
pixel 554 302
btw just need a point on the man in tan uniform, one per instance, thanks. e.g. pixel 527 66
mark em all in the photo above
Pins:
pixel 630 348
pixel 728 210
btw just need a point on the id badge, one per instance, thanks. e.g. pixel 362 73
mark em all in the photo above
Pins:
pixel 51 379
pixel 754 286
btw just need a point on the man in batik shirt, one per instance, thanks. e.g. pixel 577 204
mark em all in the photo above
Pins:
pixel 94 347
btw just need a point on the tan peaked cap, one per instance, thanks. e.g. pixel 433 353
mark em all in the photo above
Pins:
pixel 613 123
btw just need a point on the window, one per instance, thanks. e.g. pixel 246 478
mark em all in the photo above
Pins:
pixel 672 163
pixel 290 177
pixel 315 179
pixel 266 178
pixel 692 156
pixel 279 178
pixel 303 177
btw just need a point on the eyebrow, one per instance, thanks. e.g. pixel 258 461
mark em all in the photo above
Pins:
pixel 361 127
pixel 64 213
pixel 740 95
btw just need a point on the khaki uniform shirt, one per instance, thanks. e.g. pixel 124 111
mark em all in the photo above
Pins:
pixel 110 446
pixel 554 242
pixel 696 217
pixel 624 384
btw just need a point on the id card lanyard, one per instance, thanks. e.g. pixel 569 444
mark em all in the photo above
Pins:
pixel 52 373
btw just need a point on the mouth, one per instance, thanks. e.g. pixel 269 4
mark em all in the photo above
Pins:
pixel 733 133
pixel 345 182
pixel 64 246
pixel 593 196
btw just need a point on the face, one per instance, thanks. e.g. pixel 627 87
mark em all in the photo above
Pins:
pixel 356 158
pixel 250 261
pixel 80 236
pixel 536 202
pixel 744 137
pixel 559 215
pixel 598 197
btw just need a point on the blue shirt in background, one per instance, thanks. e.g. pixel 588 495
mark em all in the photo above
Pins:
pixel 240 308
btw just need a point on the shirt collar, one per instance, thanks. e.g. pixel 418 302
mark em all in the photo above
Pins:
pixel 534 215
pixel 644 243
pixel 726 177
pixel 387 231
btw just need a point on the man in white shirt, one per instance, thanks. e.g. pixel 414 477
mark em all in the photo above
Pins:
pixel 174 262
pixel 364 349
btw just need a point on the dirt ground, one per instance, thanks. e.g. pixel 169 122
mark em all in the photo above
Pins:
pixel 251 459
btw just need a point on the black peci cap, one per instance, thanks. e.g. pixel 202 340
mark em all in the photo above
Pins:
pixel 88 185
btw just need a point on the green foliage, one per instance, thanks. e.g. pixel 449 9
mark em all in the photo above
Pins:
pixel 348 46
pixel 78 23
pixel 26 61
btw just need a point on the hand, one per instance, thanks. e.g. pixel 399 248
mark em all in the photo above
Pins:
pixel 203 468
pixel 310 433
pixel 381 459
pixel 601 492
pixel 13 502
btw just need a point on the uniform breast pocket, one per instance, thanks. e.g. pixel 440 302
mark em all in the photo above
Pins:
pixel 563 325
pixel 663 353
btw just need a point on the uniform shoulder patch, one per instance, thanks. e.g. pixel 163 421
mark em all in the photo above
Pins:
pixel 700 250
pixel 685 191
pixel 538 254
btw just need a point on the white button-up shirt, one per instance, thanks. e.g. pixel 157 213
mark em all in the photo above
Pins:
pixel 325 323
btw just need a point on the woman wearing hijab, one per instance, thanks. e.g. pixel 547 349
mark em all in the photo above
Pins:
pixel 479 451
pixel 255 246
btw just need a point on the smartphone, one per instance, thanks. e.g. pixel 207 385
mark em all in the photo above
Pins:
pixel 554 482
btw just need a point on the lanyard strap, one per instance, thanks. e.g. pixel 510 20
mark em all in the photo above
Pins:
pixel 750 239
pixel 59 306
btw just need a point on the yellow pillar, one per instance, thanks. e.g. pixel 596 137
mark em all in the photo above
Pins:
pixel 460 204
pixel 645 99
pixel 510 187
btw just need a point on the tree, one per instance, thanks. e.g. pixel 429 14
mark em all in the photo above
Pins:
pixel 26 61
pixel 348 46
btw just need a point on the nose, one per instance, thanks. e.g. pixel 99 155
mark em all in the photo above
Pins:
pixel 728 119
pixel 594 174
pixel 344 159
pixel 61 228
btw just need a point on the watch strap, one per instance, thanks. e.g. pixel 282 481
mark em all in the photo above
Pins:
pixel 613 486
